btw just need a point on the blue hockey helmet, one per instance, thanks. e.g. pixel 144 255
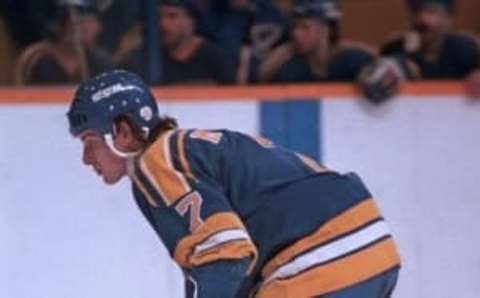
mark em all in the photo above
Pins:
pixel 101 100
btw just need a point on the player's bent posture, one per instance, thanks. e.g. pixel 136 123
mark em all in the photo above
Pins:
pixel 241 216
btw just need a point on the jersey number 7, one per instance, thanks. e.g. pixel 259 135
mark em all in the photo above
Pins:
pixel 192 202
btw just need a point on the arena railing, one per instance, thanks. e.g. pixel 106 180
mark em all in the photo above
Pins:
pixel 63 94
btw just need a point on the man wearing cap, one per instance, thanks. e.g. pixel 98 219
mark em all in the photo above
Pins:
pixel 315 52
pixel 431 44
pixel 186 57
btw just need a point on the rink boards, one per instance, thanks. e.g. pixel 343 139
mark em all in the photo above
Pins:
pixel 66 235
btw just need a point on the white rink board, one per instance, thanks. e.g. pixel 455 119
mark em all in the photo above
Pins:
pixel 421 159
pixel 63 234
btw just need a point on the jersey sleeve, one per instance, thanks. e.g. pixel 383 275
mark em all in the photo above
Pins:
pixel 187 207
pixel 215 280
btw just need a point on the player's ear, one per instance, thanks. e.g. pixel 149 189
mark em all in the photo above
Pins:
pixel 123 128
pixel 124 134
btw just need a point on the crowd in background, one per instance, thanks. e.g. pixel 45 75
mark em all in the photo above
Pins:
pixel 233 42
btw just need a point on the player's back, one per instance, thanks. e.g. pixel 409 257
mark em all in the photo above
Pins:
pixel 269 185
pixel 280 196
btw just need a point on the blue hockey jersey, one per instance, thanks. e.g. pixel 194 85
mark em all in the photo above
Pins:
pixel 245 218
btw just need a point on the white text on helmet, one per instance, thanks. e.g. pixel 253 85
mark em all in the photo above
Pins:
pixel 109 91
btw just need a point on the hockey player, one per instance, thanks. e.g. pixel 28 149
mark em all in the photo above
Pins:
pixel 241 216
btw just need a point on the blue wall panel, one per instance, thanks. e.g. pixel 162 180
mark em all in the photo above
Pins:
pixel 293 124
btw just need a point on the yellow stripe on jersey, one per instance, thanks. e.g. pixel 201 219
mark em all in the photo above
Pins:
pixel 222 236
pixel 143 189
pixel 312 164
pixel 264 142
pixel 349 220
pixel 206 135
pixel 157 166
pixel 337 275
pixel 183 157
pixel 237 249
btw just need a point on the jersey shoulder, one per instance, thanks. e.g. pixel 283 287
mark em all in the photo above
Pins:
pixel 177 159
pixel 159 172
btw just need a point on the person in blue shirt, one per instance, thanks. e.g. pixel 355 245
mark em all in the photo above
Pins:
pixel 316 51
pixel 187 58
pixel 241 216
pixel 431 44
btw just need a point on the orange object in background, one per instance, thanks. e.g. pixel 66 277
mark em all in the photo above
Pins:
pixel 62 95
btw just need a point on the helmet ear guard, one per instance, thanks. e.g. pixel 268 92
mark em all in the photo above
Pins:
pixel 111 144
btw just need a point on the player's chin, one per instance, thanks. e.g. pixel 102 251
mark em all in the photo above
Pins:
pixel 111 180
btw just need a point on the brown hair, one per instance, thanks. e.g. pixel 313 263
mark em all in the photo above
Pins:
pixel 165 123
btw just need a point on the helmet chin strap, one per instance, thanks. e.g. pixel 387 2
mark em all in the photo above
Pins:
pixel 125 155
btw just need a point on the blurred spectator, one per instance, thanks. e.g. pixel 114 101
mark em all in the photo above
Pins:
pixel 268 28
pixel 315 53
pixel 69 54
pixel 36 16
pixel 117 21
pixel 8 53
pixel 224 22
pixel 431 44
pixel 230 23
pixel 186 57
pixel 27 20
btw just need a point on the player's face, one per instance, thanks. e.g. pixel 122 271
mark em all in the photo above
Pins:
pixel 175 24
pixel 91 27
pixel 100 157
pixel 308 35
pixel 430 21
